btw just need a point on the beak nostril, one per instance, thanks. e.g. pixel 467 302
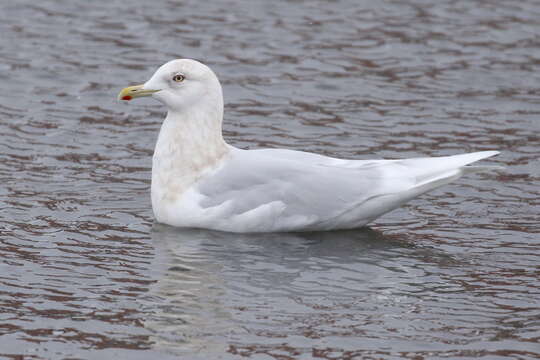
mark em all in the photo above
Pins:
pixel 133 90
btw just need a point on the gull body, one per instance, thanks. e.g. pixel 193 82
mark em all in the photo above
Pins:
pixel 198 180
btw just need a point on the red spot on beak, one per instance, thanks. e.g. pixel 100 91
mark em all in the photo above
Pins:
pixel 127 97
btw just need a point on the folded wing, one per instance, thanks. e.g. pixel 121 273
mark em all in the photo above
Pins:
pixel 285 190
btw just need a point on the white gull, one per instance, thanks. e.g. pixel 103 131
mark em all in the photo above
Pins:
pixel 200 181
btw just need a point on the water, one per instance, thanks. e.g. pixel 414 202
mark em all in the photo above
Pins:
pixel 86 274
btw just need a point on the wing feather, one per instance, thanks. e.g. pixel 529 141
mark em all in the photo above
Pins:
pixel 310 191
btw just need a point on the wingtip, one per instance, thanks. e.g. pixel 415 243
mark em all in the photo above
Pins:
pixel 489 153
pixel 479 156
pixel 485 154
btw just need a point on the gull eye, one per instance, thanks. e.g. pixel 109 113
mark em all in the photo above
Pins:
pixel 178 78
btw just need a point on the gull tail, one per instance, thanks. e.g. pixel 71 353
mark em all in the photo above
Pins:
pixel 409 178
pixel 434 172
pixel 427 174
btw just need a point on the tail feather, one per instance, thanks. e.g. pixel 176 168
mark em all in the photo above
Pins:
pixel 427 174
pixel 431 173
pixel 428 170
pixel 465 159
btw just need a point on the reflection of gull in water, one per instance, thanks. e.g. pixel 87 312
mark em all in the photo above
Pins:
pixel 190 318
pixel 219 288
pixel 200 181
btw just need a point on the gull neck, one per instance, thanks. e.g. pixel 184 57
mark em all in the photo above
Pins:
pixel 190 142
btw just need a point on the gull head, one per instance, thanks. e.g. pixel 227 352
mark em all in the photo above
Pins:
pixel 179 84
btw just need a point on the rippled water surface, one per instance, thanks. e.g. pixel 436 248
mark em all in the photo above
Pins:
pixel 85 273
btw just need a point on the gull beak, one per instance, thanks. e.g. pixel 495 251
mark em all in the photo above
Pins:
pixel 132 92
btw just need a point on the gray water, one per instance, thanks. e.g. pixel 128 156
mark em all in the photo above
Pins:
pixel 85 273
